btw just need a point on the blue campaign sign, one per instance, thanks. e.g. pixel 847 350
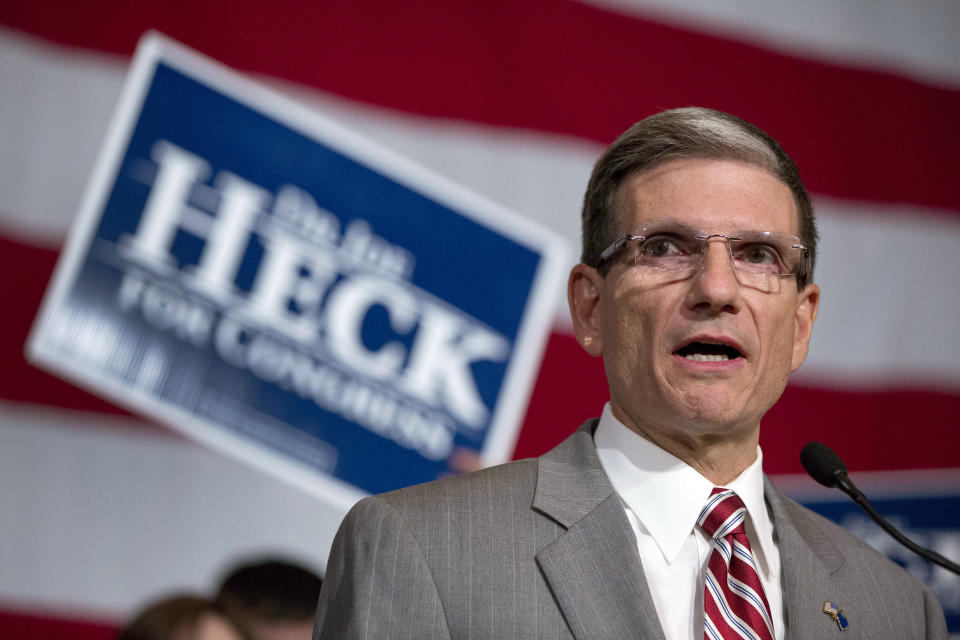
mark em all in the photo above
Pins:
pixel 932 522
pixel 285 290
pixel 927 512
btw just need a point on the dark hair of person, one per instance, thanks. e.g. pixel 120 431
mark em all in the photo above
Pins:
pixel 270 590
pixel 690 132
pixel 172 618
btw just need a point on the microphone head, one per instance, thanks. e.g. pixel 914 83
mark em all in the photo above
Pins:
pixel 822 463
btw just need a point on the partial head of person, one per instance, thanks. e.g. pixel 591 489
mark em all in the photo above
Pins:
pixel 273 599
pixel 182 617
pixel 696 281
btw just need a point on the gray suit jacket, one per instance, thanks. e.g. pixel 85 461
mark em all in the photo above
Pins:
pixel 541 548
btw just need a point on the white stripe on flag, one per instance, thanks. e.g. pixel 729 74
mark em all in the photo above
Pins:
pixel 109 514
pixel 919 38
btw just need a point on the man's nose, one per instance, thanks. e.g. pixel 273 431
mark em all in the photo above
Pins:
pixel 715 286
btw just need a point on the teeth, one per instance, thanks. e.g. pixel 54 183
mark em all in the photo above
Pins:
pixel 703 357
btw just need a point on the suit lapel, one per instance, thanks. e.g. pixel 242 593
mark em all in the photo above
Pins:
pixel 594 570
pixel 593 567
pixel 808 562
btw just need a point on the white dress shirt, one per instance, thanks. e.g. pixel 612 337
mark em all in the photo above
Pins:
pixel 663 497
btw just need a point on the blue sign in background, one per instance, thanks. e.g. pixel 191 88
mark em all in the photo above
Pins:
pixel 930 521
pixel 470 266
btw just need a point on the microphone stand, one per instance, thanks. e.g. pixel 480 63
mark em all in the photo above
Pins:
pixel 844 483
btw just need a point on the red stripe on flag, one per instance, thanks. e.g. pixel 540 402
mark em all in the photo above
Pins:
pixel 558 66
pixel 26 626
pixel 871 430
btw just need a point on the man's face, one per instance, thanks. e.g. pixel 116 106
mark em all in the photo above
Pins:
pixel 659 331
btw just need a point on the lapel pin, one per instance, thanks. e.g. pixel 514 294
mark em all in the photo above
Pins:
pixel 836 613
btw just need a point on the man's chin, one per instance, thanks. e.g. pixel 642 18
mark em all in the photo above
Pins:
pixel 702 410
pixel 713 408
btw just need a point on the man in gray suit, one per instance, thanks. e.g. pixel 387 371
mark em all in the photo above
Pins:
pixel 655 521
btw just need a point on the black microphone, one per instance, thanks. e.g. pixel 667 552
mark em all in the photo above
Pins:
pixel 828 469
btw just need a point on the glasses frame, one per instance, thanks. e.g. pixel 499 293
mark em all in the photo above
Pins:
pixel 802 268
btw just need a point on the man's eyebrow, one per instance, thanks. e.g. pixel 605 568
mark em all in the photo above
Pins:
pixel 667 224
pixel 660 224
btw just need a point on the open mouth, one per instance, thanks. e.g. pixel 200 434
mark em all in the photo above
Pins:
pixel 708 352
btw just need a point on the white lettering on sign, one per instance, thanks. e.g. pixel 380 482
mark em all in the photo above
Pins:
pixel 313 289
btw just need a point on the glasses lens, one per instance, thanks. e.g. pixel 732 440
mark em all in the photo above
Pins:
pixel 766 253
pixel 669 250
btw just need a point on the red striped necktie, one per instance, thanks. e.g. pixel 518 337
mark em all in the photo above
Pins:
pixel 734 604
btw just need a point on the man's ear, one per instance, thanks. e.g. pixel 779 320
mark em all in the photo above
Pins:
pixel 583 296
pixel 808 302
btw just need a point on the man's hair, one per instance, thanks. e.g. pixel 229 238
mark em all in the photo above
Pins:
pixel 690 132
pixel 270 590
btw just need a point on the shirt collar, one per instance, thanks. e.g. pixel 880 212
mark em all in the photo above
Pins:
pixel 665 493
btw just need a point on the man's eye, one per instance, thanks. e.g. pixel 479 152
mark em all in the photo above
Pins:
pixel 758 254
pixel 661 246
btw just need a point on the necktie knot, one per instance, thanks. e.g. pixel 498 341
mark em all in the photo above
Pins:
pixel 723 514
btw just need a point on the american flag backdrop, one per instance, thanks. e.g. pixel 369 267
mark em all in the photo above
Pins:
pixel 101 510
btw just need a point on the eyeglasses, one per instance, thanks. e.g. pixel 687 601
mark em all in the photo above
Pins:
pixel 764 254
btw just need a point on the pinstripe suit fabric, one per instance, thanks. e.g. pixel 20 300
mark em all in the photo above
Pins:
pixel 542 549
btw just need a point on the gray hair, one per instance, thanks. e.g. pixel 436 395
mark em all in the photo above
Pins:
pixel 690 132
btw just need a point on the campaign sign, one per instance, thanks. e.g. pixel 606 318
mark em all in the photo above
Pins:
pixel 274 285
pixel 924 504
pixel 931 520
